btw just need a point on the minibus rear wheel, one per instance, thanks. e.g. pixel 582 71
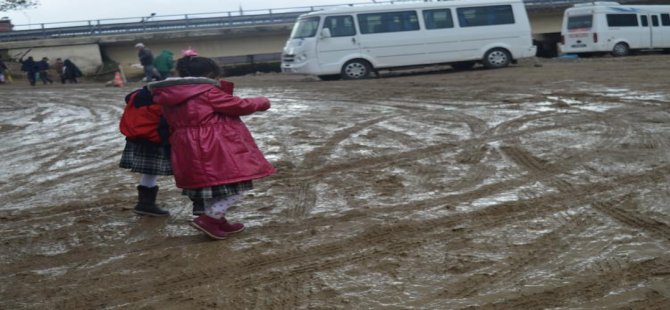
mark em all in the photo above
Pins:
pixel 497 58
pixel 620 49
pixel 356 69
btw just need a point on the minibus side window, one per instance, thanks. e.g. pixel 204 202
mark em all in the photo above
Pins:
pixel 654 20
pixel 438 19
pixel 622 20
pixel 388 22
pixel 644 21
pixel 665 19
pixel 485 15
pixel 340 26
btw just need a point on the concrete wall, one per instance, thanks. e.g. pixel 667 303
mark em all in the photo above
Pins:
pixel 126 55
pixel 545 21
pixel 85 56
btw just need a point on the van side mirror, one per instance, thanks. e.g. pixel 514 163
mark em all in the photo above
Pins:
pixel 325 33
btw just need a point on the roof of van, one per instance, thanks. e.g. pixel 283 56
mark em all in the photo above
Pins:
pixel 615 7
pixel 372 7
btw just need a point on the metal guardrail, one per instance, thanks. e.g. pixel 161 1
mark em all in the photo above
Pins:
pixel 99 28
pixel 228 19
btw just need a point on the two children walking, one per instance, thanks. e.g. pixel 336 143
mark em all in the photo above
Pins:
pixel 213 156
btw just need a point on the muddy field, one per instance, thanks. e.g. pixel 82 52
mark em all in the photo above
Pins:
pixel 542 185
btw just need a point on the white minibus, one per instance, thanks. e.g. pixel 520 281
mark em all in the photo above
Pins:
pixel 609 27
pixel 352 42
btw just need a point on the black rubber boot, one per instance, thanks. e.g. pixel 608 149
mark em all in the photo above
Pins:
pixel 198 206
pixel 146 202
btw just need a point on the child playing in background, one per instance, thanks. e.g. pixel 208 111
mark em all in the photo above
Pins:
pixel 214 156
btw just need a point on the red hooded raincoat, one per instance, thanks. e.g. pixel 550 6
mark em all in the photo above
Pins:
pixel 210 144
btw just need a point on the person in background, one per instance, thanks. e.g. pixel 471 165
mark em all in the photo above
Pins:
pixel 43 69
pixel 164 63
pixel 70 72
pixel 30 68
pixel 147 61
pixel 214 157
pixel 58 66
pixel 3 68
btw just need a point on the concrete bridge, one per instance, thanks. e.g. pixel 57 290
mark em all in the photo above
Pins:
pixel 229 37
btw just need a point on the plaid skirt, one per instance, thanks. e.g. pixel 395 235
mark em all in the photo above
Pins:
pixel 146 158
pixel 219 191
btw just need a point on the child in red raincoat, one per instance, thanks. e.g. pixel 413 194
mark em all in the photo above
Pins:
pixel 214 157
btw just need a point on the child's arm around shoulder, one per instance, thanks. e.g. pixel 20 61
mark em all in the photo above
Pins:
pixel 233 105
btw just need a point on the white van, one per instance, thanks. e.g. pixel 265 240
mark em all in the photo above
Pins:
pixel 354 41
pixel 610 27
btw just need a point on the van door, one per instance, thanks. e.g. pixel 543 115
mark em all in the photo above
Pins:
pixel 340 45
pixel 657 36
pixel 645 38
pixel 662 33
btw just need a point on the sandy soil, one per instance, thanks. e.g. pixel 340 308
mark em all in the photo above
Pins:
pixel 542 185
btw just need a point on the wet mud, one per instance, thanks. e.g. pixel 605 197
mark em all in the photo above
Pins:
pixel 542 185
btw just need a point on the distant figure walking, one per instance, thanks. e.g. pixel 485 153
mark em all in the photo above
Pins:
pixel 3 69
pixel 147 61
pixel 164 64
pixel 43 69
pixel 70 72
pixel 59 66
pixel 30 68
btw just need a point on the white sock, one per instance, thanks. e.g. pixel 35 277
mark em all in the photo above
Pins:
pixel 216 207
pixel 148 180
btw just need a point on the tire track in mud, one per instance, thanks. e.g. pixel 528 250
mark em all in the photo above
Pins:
pixel 371 245
pixel 476 144
pixel 593 286
pixel 526 257
pixel 317 157
pixel 64 134
pixel 305 191
pixel 625 211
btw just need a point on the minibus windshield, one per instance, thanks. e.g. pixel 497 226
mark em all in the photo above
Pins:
pixel 305 28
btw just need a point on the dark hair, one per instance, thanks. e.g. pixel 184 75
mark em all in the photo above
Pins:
pixel 198 66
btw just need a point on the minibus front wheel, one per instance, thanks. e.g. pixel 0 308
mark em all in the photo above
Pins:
pixel 356 69
pixel 497 58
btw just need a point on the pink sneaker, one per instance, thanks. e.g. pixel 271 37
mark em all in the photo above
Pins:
pixel 210 226
pixel 230 228
pixel 217 229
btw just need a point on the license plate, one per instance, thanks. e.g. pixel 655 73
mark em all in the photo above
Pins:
pixel 578 45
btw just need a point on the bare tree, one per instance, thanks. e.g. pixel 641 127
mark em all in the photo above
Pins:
pixel 8 5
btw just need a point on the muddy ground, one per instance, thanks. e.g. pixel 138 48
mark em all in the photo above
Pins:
pixel 541 185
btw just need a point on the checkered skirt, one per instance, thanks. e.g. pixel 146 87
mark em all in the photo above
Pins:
pixel 146 158
pixel 220 191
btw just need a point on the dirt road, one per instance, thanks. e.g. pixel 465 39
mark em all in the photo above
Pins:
pixel 542 185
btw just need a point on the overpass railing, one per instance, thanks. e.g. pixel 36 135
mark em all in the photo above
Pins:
pixel 228 19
